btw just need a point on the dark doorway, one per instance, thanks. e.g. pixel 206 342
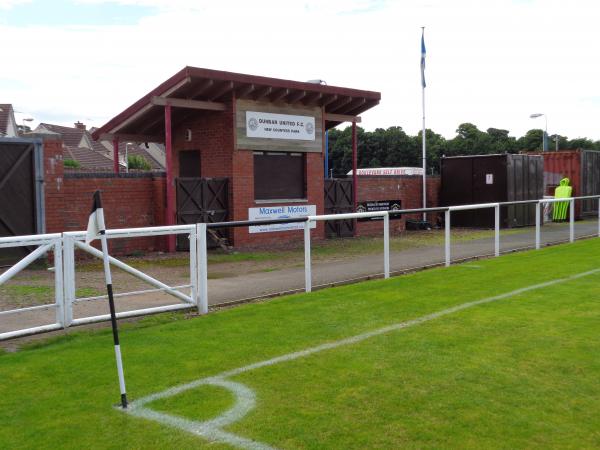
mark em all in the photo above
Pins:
pixel 189 164
pixel 201 200
pixel 17 196
pixel 338 200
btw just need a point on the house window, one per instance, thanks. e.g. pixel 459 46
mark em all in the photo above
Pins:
pixel 279 176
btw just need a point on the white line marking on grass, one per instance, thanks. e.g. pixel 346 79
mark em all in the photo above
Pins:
pixel 245 398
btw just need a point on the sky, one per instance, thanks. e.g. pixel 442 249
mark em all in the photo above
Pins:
pixel 491 63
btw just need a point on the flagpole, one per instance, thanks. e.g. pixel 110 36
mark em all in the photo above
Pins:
pixel 113 318
pixel 424 152
pixel 96 226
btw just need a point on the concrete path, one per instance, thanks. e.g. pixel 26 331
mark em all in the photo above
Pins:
pixel 255 285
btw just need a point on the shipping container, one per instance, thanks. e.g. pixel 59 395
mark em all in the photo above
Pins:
pixel 490 179
pixel 582 168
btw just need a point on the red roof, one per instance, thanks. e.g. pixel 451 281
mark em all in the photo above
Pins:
pixel 193 83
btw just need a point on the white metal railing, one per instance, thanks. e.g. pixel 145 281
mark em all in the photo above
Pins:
pixel 44 243
pixel 64 246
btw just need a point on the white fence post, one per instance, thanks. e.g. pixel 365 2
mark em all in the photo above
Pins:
pixel 572 220
pixel 598 217
pixel 68 260
pixel 386 245
pixel 202 264
pixel 537 226
pixel 307 267
pixel 194 279
pixel 447 236
pixel 59 294
pixel 497 230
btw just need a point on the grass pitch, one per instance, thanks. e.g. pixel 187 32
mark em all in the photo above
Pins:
pixel 519 372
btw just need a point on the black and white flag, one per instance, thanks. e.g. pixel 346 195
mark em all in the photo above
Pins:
pixel 96 219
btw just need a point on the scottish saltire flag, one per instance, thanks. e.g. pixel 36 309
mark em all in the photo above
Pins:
pixel 423 59
pixel 96 219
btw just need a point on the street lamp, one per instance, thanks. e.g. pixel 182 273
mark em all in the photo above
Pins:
pixel 545 137
pixel 126 156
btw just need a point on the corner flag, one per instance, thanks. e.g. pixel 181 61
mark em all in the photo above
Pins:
pixel 423 52
pixel 97 228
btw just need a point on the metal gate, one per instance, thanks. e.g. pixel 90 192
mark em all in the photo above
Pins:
pixel 21 196
pixel 201 200
pixel 590 179
pixel 338 200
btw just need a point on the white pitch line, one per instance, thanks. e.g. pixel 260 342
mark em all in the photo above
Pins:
pixel 245 398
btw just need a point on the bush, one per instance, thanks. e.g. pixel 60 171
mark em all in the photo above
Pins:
pixel 138 162
pixel 71 163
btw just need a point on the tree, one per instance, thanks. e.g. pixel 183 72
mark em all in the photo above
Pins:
pixel 138 162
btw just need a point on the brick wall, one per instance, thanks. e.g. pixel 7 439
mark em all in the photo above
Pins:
pixel 129 200
pixel 242 187
pixel 408 189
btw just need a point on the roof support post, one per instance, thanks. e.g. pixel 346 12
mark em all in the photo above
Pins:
pixel 354 166
pixel 116 155
pixel 170 212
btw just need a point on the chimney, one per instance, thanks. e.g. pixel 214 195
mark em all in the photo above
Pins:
pixel 79 125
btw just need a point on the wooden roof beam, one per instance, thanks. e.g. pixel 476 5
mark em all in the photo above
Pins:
pixel 363 107
pixel 204 86
pixel 354 104
pixel 342 118
pixel 124 137
pixel 328 100
pixel 263 92
pixel 278 95
pixel 293 98
pixel 312 99
pixel 222 90
pixel 190 104
pixel 245 91
pixel 335 106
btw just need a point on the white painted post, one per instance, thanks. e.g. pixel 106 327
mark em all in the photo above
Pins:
pixel 571 220
pixel 386 245
pixel 447 237
pixel 59 297
pixel 68 259
pixel 194 278
pixel 307 267
pixel 537 226
pixel 202 268
pixel 598 217
pixel 497 230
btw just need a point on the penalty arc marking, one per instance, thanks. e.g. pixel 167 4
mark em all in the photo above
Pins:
pixel 245 398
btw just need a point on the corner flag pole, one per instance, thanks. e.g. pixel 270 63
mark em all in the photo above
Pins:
pixel 96 227
pixel 424 156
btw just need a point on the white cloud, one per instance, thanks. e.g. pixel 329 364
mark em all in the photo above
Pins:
pixel 490 63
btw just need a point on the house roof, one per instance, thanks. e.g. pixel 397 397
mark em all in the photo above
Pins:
pixel 90 154
pixel 71 136
pixel 146 118
pixel 88 159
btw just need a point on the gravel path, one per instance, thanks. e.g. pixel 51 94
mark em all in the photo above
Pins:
pixel 234 282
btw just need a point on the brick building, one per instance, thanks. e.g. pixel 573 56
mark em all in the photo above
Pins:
pixel 239 146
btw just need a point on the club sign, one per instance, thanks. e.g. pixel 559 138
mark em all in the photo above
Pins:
pixel 279 126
